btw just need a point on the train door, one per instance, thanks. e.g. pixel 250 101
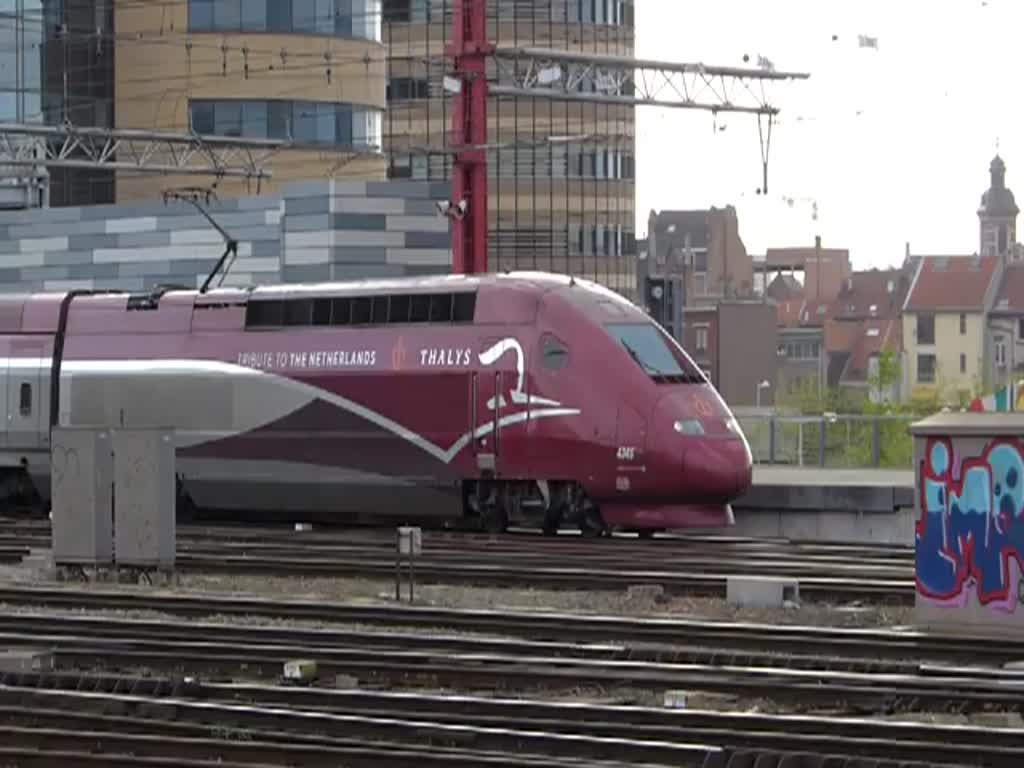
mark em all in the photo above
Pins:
pixel 23 397
pixel 486 408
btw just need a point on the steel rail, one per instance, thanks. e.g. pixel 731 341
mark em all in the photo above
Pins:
pixel 516 538
pixel 742 645
pixel 637 732
pixel 967 689
pixel 263 753
pixel 541 625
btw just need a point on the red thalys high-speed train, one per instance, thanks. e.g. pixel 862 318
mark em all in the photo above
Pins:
pixel 517 399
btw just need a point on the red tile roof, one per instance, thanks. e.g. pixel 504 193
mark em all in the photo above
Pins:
pixel 1010 297
pixel 868 294
pixel 951 283
pixel 867 319
pixel 875 335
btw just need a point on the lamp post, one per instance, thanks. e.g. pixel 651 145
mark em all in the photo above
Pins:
pixel 761 385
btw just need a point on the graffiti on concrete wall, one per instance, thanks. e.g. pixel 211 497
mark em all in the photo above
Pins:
pixel 970 535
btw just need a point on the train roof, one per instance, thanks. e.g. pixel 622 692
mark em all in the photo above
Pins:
pixel 419 284
pixel 38 312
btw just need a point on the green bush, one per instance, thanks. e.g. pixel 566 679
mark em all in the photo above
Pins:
pixel 850 442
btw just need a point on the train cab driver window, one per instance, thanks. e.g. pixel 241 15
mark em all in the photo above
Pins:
pixel 25 399
pixel 555 353
pixel 646 345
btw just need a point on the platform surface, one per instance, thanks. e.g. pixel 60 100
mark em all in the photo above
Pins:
pixel 825 504
pixel 767 475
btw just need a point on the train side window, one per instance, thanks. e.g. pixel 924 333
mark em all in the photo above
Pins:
pixel 362 310
pixel 264 314
pixel 25 399
pixel 341 311
pixel 441 308
pixel 554 353
pixel 420 312
pixel 379 313
pixel 464 307
pixel 322 312
pixel 298 312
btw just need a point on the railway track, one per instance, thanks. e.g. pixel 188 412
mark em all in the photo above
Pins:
pixel 652 633
pixel 680 565
pixel 531 634
pixel 830 679
pixel 563 732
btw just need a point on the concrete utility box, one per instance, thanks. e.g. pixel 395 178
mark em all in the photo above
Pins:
pixel 81 482
pixel 761 591
pixel 969 509
pixel 144 498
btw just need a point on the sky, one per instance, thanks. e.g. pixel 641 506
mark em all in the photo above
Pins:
pixel 893 144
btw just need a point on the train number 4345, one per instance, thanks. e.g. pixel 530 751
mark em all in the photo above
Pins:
pixel 625 453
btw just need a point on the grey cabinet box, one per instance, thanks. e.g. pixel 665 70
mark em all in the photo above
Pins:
pixel 144 498
pixel 82 478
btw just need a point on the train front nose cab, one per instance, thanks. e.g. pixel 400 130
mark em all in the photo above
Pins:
pixel 717 468
pixel 707 443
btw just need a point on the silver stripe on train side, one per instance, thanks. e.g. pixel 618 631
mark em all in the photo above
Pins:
pixel 307 393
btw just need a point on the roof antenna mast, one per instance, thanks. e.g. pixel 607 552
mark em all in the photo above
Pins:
pixel 193 195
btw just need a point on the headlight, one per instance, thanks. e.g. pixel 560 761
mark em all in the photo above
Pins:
pixel 733 426
pixel 689 427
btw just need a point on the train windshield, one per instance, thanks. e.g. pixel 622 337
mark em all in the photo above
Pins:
pixel 649 348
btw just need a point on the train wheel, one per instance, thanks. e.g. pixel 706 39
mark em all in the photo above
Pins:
pixel 591 523
pixel 552 521
pixel 494 519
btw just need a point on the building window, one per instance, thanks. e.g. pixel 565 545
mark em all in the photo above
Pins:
pixel 410 167
pixel 801 350
pixel 1020 328
pixel 963 363
pixel 926 329
pixel 611 12
pixel 1000 351
pixel 309 122
pixel 701 340
pixel 700 283
pixel 337 18
pixel 407 88
pixel 963 325
pixel 404 11
pixel 570 161
pixel 926 369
